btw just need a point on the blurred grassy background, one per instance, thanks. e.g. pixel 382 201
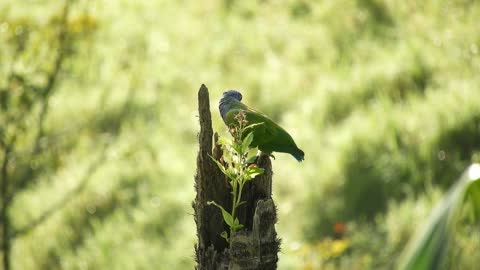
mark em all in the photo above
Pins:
pixel 383 96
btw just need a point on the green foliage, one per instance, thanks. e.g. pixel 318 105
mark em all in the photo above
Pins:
pixel 239 168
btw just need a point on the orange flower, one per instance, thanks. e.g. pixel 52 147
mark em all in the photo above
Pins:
pixel 339 228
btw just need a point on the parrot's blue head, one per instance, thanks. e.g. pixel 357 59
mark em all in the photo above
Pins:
pixel 232 94
pixel 227 101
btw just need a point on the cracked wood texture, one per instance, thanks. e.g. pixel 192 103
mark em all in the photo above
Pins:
pixel 256 246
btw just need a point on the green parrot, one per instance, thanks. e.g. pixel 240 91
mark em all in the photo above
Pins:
pixel 269 136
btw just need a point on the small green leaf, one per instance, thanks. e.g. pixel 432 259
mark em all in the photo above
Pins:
pixel 237 148
pixel 251 159
pixel 247 141
pixel 252 155
pixel 224 235
pixel 236 225
pixel 253 125
pixel 220 166
pixel 253 171
pixel 226 216
pixel 224 141
pixel 227 157
pixel 230 173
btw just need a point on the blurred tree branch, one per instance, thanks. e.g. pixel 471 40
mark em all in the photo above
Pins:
pixel 45 93
pixel 92 168
pixel 22 102
pixel 52 78
pixel 6 244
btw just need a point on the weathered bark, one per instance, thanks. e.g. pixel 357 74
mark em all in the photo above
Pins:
pixel 256 246
pixel 257 249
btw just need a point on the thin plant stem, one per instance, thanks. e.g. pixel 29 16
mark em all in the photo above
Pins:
pixel 234 186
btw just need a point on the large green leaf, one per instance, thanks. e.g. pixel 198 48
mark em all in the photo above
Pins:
pixel 427 248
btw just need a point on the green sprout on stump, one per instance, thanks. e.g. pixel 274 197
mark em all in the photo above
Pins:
pixel 238 157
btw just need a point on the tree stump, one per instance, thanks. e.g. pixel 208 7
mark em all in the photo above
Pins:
pixel 256 246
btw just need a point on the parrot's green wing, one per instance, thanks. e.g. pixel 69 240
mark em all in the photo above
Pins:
pixel 269 136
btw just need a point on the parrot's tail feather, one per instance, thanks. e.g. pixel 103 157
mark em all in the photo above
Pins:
pixel 299 155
